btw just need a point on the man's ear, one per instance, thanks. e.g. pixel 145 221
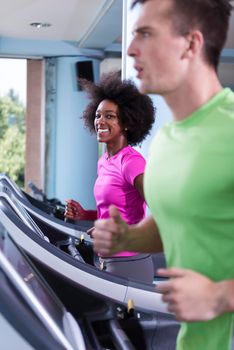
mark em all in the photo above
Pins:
pixel 195 43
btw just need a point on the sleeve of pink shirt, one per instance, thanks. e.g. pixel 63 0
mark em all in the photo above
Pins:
pixel 132 166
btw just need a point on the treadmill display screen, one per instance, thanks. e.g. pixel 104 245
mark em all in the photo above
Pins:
pixel 31 277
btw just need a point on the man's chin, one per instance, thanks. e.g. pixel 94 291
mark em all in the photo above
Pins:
pixel 140 86
pixel 143 88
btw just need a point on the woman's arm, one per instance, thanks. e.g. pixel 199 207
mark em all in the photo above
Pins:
pixel 138 184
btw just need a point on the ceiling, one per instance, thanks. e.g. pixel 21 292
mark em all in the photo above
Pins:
pixel 86 24
pixel 71 20
pixel 89 23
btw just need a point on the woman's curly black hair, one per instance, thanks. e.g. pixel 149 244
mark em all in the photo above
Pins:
pixel 136 111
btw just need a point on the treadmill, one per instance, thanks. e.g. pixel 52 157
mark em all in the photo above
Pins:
pixel 42 217
pixel 49 223
pixel 30 312
pixel 69 275
pixel 33 317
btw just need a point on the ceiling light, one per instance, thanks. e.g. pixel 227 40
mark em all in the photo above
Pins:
pixel 40 24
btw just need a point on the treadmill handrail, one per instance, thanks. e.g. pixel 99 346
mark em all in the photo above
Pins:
pixel 12 184
pixel 74 232
pixel 22 217
pixel 71 230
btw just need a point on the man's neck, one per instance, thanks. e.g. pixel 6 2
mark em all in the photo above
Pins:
pixel 193 94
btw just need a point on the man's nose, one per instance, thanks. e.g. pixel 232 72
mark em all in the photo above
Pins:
pixel 131 49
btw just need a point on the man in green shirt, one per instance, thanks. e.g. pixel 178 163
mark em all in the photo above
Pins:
pixel 189 179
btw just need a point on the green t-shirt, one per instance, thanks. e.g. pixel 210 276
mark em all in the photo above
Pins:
pixel 189 187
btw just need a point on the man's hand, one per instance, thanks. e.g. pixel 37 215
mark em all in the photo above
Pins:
pixel 110 235
pixel 190 295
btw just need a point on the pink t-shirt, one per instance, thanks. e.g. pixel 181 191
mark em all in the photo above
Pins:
pixel 115 185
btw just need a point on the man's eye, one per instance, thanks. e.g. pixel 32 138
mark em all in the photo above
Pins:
pixel 145 34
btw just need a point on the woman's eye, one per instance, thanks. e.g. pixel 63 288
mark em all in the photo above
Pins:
pixel 106 116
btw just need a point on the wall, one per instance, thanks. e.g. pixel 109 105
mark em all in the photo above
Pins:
pixel 34 166
pixel 74 159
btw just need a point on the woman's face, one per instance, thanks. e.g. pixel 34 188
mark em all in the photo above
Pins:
pixel 107 124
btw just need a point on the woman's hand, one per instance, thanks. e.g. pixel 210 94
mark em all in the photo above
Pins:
pixel 74 210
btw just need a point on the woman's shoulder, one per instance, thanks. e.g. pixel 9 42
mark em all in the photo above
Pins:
pixel 132 159
pixel 129 152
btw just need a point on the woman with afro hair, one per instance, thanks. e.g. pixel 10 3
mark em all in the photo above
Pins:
pixel 121 117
